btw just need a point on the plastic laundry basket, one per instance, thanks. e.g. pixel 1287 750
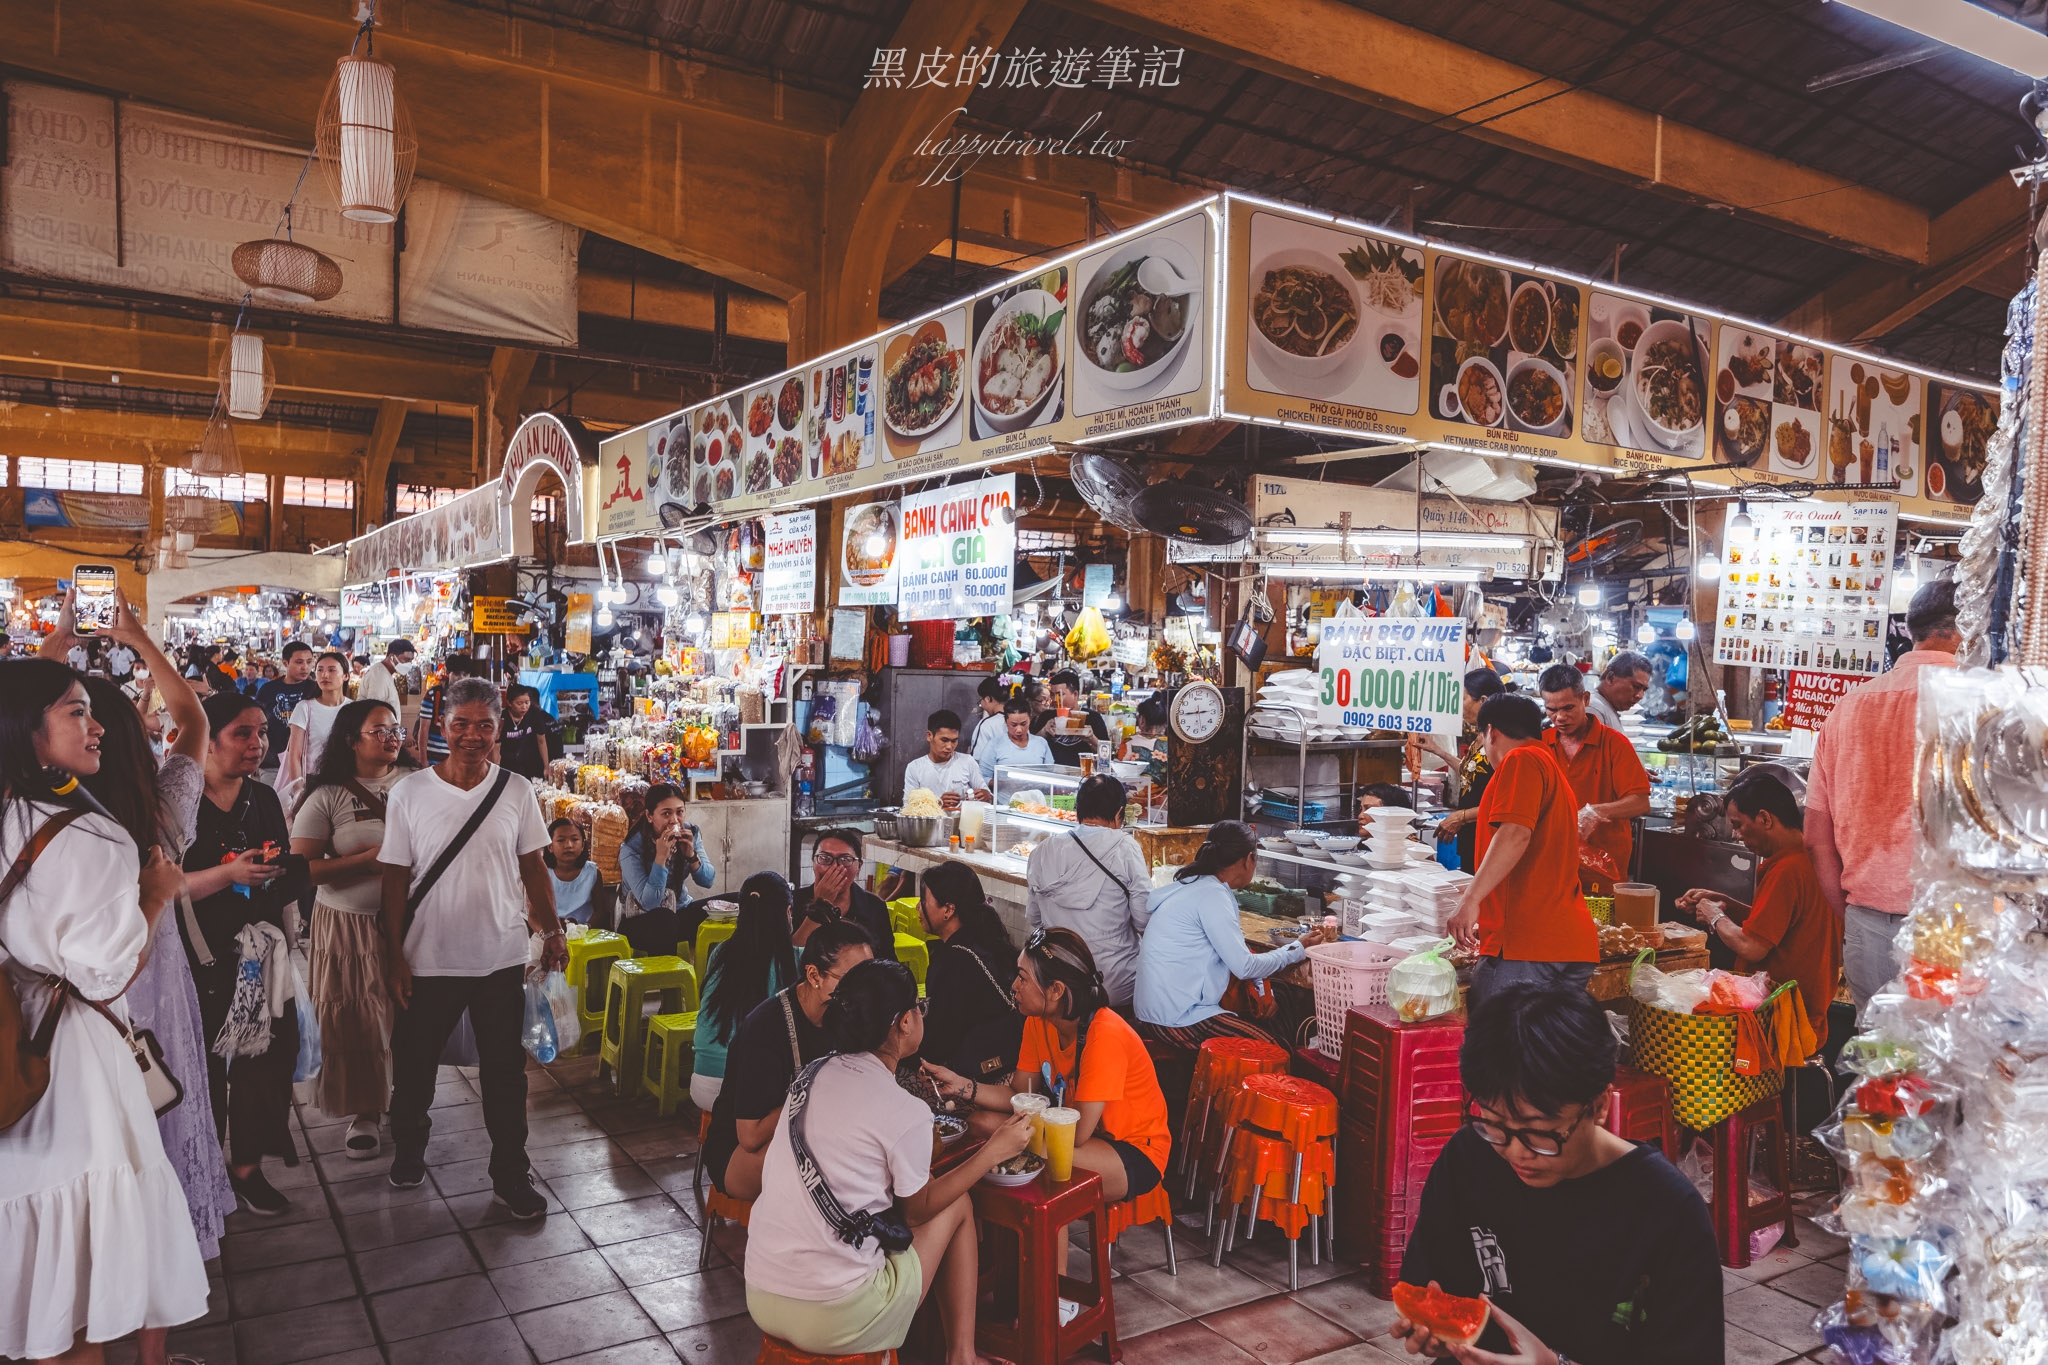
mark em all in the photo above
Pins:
pixel 1346 976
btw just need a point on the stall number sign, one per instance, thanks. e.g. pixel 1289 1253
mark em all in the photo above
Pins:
pixel 1393 673
pixel 1810 698
pixel 958 551
pixel 789 571
pixel 494 616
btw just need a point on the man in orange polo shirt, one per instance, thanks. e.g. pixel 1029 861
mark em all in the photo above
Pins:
pixel 1605 773
pixel 1523 910
pixel 1792 932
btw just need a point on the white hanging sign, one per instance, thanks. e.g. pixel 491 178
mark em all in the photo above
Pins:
pixel 789 569
pixel 958 552
pixel 1392 673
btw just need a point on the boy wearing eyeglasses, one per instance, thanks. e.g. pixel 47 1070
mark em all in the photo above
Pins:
pixel 1593 1250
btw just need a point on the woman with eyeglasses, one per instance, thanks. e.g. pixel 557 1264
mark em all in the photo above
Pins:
pixel 1099 1066
pixel 1591 1248
pixel 339 828
pixel 1193 946
pixel 835 893
pixel 869 1142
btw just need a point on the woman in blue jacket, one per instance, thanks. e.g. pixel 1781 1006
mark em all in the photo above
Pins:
pixel 662 855
pixel 1193 946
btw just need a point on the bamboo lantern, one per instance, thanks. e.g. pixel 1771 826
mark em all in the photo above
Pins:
pixel 216 456
pixel 246 376
pixel 278 270
pixel 365 140
pixel 187 512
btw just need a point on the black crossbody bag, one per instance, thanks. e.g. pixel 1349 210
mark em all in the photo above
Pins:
pixel 462 836
pixel 888 1227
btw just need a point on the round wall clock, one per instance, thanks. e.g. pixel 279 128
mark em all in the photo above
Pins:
pixel 1196 713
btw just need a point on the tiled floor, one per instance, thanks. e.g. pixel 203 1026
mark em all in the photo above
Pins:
pixel 359 1273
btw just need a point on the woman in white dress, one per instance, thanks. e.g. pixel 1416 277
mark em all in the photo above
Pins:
pixel 99 1240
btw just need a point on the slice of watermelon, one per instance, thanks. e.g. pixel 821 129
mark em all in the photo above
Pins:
pixel 1454 1320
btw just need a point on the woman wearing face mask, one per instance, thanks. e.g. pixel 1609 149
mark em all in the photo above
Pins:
pixel 240 874
pixel 312 721
pixel 338 828
pixel 91 1211
pixel 658 858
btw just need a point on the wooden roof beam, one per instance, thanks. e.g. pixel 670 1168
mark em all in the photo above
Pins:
pixel 1969 244
pixel 1334 46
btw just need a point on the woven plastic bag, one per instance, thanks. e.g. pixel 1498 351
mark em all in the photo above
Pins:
pixel 1423 986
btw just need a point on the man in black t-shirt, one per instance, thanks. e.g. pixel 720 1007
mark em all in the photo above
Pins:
pixel 758 1062
pixel 1592 1249
pixel 279 696
pixel 1067 749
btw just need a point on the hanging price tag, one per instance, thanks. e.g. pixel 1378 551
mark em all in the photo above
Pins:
pixel 1392 673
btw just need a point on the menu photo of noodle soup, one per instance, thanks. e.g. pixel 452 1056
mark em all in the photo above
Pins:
pixel 1646 377
pixel 1334 316
pixel 1017 373
pixel 1503 348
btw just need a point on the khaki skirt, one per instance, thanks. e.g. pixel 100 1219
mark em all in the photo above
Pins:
pixel 349 999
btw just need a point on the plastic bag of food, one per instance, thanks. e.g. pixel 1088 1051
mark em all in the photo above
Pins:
pixel 1674 991
pixel 1089 636
pixel 1423 986
pixel 1729 991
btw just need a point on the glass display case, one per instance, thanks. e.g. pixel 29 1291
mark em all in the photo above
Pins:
pixel 1029 805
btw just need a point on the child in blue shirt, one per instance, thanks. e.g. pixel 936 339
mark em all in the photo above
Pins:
pixel 575 874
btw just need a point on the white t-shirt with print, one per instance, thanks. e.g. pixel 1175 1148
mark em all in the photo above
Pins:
pixel 473 921
pixel 872 1141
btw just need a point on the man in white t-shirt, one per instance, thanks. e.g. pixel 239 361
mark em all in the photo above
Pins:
pixel 464 947
pixel 380 680
pixel 942 769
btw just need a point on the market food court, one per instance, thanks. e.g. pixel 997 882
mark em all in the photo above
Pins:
pixel 1386 706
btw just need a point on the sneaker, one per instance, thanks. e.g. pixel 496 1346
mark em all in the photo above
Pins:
pixel 520 1199
pixel 408 1170
pixel 361 1142
pixel 258 1195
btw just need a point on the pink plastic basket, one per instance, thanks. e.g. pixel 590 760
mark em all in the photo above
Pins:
pixel 1346 976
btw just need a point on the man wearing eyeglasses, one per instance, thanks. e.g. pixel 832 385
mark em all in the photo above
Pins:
pixel 1592 1250
pixel 1606 776
pixel 834 893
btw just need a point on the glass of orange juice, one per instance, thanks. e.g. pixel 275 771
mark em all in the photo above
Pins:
pixel 1059 1126
pixel 1035 1106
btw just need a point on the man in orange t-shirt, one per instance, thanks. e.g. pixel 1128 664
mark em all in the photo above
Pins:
pixel 1792 932
pixel 1605 773
pixel 1523 909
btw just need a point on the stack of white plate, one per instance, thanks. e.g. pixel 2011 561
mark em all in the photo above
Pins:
pixel 1387 841
pixel 1433 897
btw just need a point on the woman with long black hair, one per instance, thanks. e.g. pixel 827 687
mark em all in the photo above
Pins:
pixel 91 1209
pixel 1099 1066
pixel 240 874
pixel 338 828
pixel 835 1289
pixel 1193 946
pixel 755 963
pixel 661 855
pixel 972 1023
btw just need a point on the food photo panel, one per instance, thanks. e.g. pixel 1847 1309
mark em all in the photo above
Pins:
pixel 1335 316
pixel 1646 377
pixel 845 394
pixel 717 450
pixel 1504 348
pixel 1768 393
pixel 1962 421
pixel 1138 332
pixel 924 386
pixel 1021 357
pixel 1873 424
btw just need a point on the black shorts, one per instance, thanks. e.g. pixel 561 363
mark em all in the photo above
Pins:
pixel 1140 1175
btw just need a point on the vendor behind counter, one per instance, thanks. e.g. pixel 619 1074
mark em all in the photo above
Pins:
pixel 942 769
pixel 1066 696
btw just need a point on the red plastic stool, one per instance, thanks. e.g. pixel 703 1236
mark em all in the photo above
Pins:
pixel 1035 1213
pixel 1219 1065
pixel 776 1351
pixel 1735 1217
pixel 1639 1109
pixel 1153 1207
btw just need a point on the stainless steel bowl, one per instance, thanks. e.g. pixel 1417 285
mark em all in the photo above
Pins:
pixel 927 833
pixel 887 827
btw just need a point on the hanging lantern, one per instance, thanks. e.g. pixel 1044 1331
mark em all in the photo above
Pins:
pixel 278 270
pixel 216 456
pixel 246 376
pixel 365 140
pixel 187 513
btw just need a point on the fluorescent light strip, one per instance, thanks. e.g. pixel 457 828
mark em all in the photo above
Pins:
pixel 1934 521
pixel 1283 535
pixel 1967 28
pixel 1365 574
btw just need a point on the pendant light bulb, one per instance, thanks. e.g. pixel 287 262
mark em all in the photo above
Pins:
pixel 1646 634
pixel 1684 630
pixel 1710 567
pixel 1740 524
pixel 1589 594
pixel 604 616
pixel 666 595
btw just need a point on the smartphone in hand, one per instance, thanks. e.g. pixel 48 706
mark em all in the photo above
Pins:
pixel 92 605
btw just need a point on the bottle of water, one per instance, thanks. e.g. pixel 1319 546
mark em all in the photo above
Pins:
pixel 538 1035
pixel 806 805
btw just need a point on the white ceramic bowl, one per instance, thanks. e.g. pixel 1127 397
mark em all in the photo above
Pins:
pixel 1175 255
pixel 1557 425
pixel 1339 843
pixel 1453 402
pixel 1303 838
pixel 1666 330
pixel 1541 340
pixel 1041 303
pixel 1279 363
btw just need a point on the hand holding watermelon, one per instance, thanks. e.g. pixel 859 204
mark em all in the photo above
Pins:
pixel 1444 1326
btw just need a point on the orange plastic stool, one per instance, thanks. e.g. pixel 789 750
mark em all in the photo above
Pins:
pixel 1219 1066
pixel 776 1351
pixel 1027 1264
pixel 718 1205
pixel 1279 1157
pixel 1156 1206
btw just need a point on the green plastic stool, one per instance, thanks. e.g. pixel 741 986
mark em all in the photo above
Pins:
pixel 590 958
pixel 709 934
pixel 913 953
pixel 671 1042
pixel 627 988
pixel 906 916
